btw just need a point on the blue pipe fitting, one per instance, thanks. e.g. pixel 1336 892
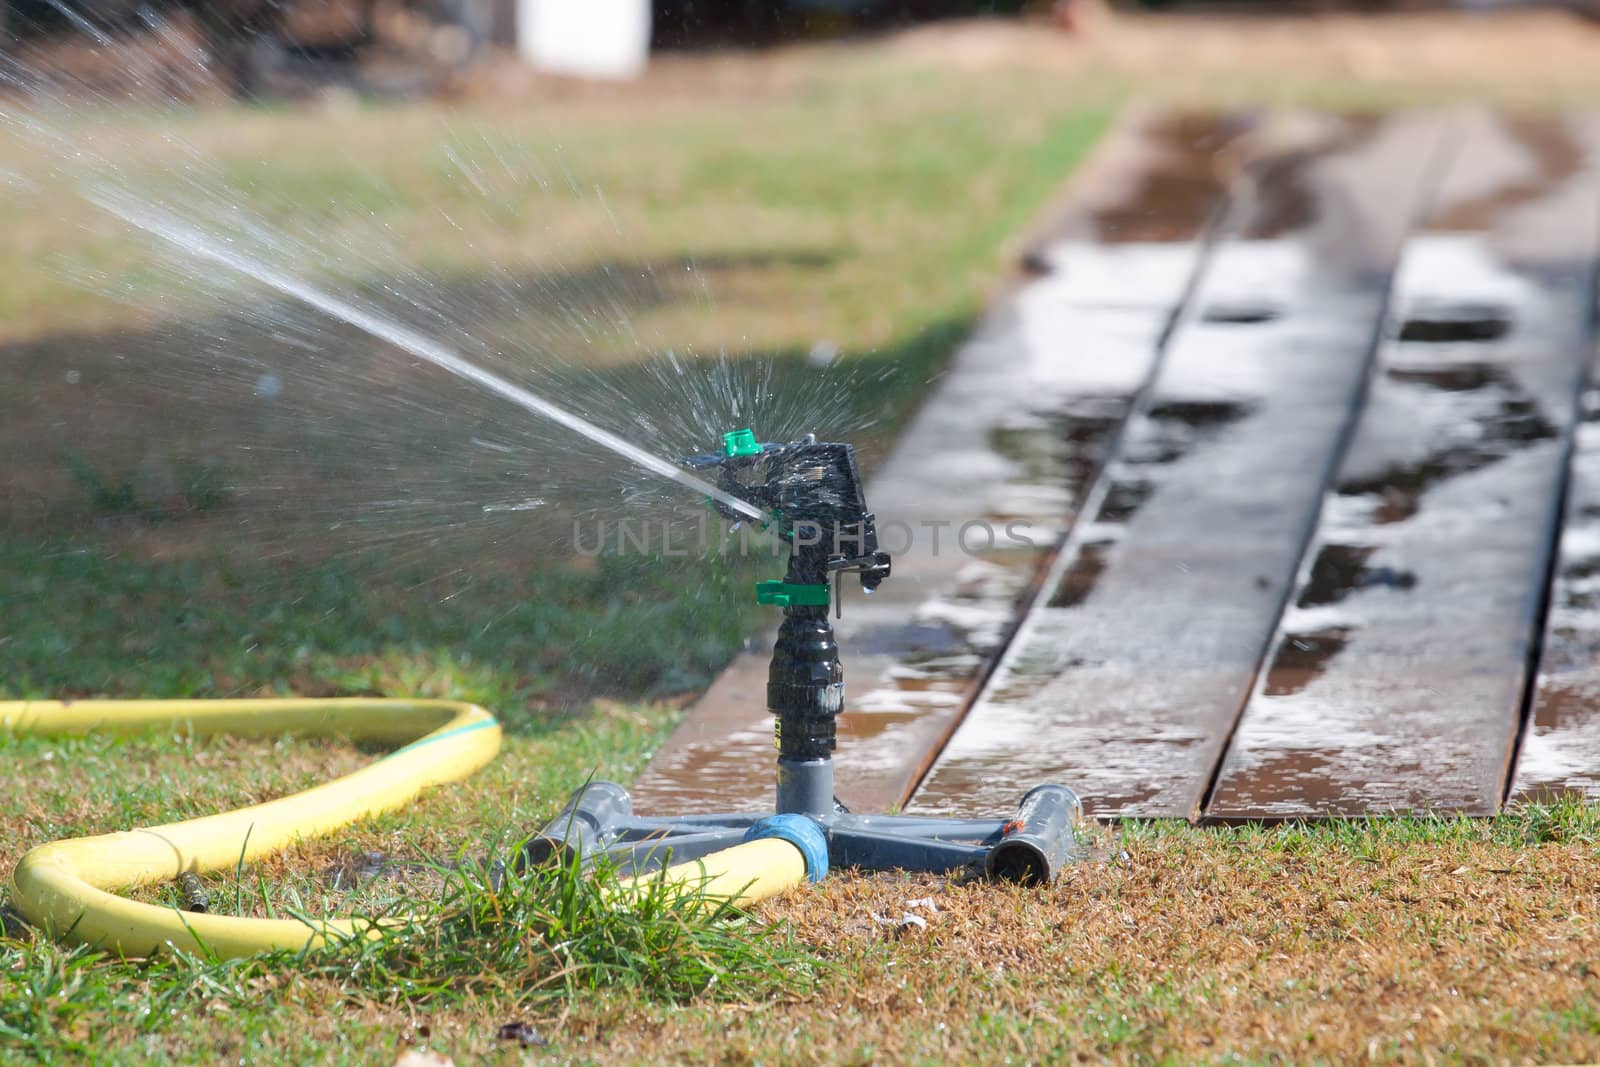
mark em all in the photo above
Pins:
pixel 801 832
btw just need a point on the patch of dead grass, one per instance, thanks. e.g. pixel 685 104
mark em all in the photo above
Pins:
pixel 1198 943
pixel 1338 943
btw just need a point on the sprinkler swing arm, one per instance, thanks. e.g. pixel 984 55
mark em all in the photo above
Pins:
pixel 812 493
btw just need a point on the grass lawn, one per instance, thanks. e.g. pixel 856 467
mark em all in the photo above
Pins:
pixel 864 198
pixel 125 571
pixel 130 475
pixel 1400 940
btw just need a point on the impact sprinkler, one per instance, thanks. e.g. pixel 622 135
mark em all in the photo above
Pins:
pixel 811 493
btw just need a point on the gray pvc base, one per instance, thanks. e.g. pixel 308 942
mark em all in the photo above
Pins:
pixel 1031 846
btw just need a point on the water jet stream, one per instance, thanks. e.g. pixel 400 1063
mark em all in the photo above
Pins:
pixel 184 236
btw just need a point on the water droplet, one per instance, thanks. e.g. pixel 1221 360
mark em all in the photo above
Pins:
pixel 823 353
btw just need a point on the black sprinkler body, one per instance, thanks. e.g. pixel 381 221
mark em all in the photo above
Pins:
pixel 812 496
pixel 812 492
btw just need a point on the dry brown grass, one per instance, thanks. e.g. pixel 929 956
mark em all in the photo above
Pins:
pixel 97 785
pixel 1527 58
pixel 1332 945
pixel 1395 942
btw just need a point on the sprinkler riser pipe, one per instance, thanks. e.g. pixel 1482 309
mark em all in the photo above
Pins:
pixel 805 680
pixel 805 787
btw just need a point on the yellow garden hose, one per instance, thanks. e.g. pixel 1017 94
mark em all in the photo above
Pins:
pixel 742 874
pixel 67 887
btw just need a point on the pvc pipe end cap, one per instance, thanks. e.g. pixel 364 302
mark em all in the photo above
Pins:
pixel 800 831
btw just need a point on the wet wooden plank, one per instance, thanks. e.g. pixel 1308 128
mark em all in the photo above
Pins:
pixel 1397 676
pixel 1125 682
pixel 1560 750
pixel 1013 435
pixel 1055 391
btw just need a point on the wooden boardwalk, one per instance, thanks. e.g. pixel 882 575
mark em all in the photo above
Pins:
pixel 1299 425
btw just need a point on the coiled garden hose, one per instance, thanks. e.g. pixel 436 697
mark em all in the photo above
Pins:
pixel 67 888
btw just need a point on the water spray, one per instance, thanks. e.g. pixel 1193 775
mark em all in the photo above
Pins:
pixel 809 492
pixel 191 239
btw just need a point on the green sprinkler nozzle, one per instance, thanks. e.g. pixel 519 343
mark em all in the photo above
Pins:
pixel 737 443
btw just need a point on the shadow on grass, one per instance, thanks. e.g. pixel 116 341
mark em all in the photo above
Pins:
pixel 261 503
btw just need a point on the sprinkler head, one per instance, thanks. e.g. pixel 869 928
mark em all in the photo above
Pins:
pixel 813 493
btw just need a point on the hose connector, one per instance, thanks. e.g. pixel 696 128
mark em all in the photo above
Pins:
pixel 801 832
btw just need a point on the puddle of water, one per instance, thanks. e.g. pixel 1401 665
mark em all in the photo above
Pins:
pixel 1172 427
pixel 1340 570
pixel 1296 782
pixel 1454 378
pixel 1560 753
pixel 1455 323
pixel 1122 499
pixel 1240 313
pixel 1506 419
pixel 1080 578
pixel 1064 447
pixel 1179 186
pixel 1291 778
pixel 1334 574
pixel 1202 415
pixel 1302 657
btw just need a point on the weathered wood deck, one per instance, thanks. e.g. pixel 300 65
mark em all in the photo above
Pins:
pixel 1294 413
